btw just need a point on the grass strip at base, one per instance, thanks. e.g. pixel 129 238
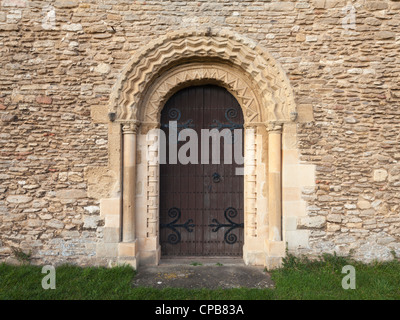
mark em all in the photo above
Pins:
pixel 299 278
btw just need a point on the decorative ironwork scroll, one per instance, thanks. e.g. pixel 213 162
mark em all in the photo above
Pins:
pixel 229 114
pixel 175 237
pixel 229 237
pixel 175 115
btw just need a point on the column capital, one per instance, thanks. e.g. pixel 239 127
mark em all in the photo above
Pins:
pixel 274 127
pixel 131 127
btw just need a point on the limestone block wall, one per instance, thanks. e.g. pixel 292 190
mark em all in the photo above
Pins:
pixel 59 154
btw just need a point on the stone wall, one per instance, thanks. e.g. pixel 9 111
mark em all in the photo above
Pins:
pixel 60 59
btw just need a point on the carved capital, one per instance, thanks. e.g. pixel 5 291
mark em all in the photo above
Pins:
pixel 274 127
pixel 131 127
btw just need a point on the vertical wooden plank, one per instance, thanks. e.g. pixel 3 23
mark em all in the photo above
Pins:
pixel 199 104
pixel 207 246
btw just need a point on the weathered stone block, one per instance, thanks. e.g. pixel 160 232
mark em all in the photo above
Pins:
pixel 334 218
pixel 127 249
pixel 363 204
pixel 380 175
pixel 92 209
pixel 71 194
pixel 319 4
pixel 311 222
pixel 96 28
pixel 17 199
pixel 332 227
pixel 8 117
pixel 111 235
pixel 107 250
pixel 91 222
pixel 66 4
pixel 376 5
pixel 385 35
pixel 373 21
pixel 57 224
pixel 297 239
pixel 68 117
pixel 311 38
pixel 335 4
pixel 325 198
pixel 280 6
pixel 300 37
pixel 72 27
pixel 102 68
pixel 14 3
pixel 44 100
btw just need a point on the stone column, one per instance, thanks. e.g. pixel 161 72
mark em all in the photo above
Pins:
pixel 129 181
pixel 128 248
pixel 275 248
pixel 274 181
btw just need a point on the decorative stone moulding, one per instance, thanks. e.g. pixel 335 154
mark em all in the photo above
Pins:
pixel 196 73
pixel 231 60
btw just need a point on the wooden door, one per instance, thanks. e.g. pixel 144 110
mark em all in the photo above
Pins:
pixel 201 205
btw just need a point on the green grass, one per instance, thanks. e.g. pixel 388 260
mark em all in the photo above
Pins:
pixel 298 279
pixel 321 279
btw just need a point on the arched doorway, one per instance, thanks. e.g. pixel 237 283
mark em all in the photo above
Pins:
pixel 153 75
pixel 201 190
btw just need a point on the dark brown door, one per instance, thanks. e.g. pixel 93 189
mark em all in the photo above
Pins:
pixel 201 205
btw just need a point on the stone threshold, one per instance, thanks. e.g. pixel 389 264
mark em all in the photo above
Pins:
pixel 191 260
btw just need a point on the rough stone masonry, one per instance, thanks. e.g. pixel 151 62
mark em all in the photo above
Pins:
pixel 60 59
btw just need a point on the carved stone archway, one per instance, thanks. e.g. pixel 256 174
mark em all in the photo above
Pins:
pixel 181 47
pixel 259 84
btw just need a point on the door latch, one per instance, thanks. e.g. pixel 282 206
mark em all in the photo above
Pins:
pixel 216 177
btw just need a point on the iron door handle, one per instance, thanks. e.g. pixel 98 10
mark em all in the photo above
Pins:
pixel 216 177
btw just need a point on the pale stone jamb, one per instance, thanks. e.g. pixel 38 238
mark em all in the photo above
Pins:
pixel 253 253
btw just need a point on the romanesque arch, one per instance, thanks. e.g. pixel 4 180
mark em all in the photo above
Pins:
pixel 218 47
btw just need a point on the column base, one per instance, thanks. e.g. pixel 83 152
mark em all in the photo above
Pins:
pixel 128 253
pixel 253 252
pixel 151 257
pixel 275 251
